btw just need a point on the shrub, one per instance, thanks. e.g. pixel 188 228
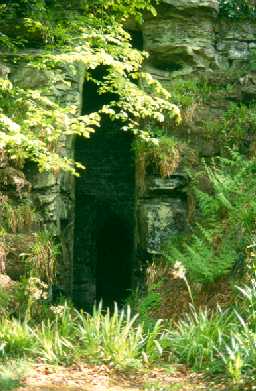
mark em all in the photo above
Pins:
pixel 117 339
pixel 239 354
pixel 11 375
pixel 237 9
pixel 221 341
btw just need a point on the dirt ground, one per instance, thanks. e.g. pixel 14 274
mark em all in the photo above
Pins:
pixel 103 378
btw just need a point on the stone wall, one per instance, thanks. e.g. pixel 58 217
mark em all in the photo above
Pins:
pixel 52 195
pixel 188 36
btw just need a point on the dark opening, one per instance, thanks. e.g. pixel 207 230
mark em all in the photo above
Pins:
pixel 136 39
pixel 92 100
pixel 105 208
pixel 113 270
pixel 169 67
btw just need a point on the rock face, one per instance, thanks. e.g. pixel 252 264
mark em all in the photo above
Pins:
pixel 235 40
pixel 186 38
pixel 52 195
pixel 161 212
pixel 182 37
pixel 183 5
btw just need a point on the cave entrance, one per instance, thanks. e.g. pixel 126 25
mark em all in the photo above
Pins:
pixel 104 244
pixel 113 266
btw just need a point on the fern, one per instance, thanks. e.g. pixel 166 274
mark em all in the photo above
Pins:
pixel 226 221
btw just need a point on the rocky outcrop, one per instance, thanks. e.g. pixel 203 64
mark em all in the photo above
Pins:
pixel 235 41
pixel 52 195
pixel 188 36
pixel 186 39
pixel 182 37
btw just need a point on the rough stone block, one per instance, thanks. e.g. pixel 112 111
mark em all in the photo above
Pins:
pixel 159 220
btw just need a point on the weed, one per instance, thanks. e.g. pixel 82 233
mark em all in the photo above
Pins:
pixel 162 155
pixel 41 259
pixel 116 339
pixel 17 218
pixel 225 224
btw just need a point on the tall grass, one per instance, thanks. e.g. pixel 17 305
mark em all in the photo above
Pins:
pixel 113 338
pixel 221 341
pixel 197 338
pixel 117 339
pixel 16 338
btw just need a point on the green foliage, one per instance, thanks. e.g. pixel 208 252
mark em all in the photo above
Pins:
pixel 225 223
pixel 5 303
pixel 42 257
pixel 235 128
pixel 194 91
pixel 15 338
pixel 42 22
pixel 203 262
pixel 196 339
pixel 160 155
pixel 17 218
pixel 145 303
pixel 67 335
pixel 33 126
pixel 118 340
pixel 238 9
pixel 221 341
pixel 239 354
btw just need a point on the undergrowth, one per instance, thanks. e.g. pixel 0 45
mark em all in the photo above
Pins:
pixel 66 335
pixel 225 220
pixel 220 341
pixel 217 341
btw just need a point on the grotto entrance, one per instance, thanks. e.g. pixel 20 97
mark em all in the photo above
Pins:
pixel 104 245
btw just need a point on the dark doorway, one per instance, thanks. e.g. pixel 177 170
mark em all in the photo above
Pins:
pixel 104 244
pixel 136 39
pixel 113 268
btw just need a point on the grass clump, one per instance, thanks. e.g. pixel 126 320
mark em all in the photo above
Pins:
pixel 12 374
pixel 196 338
pixel 16 338
pixel 68 335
